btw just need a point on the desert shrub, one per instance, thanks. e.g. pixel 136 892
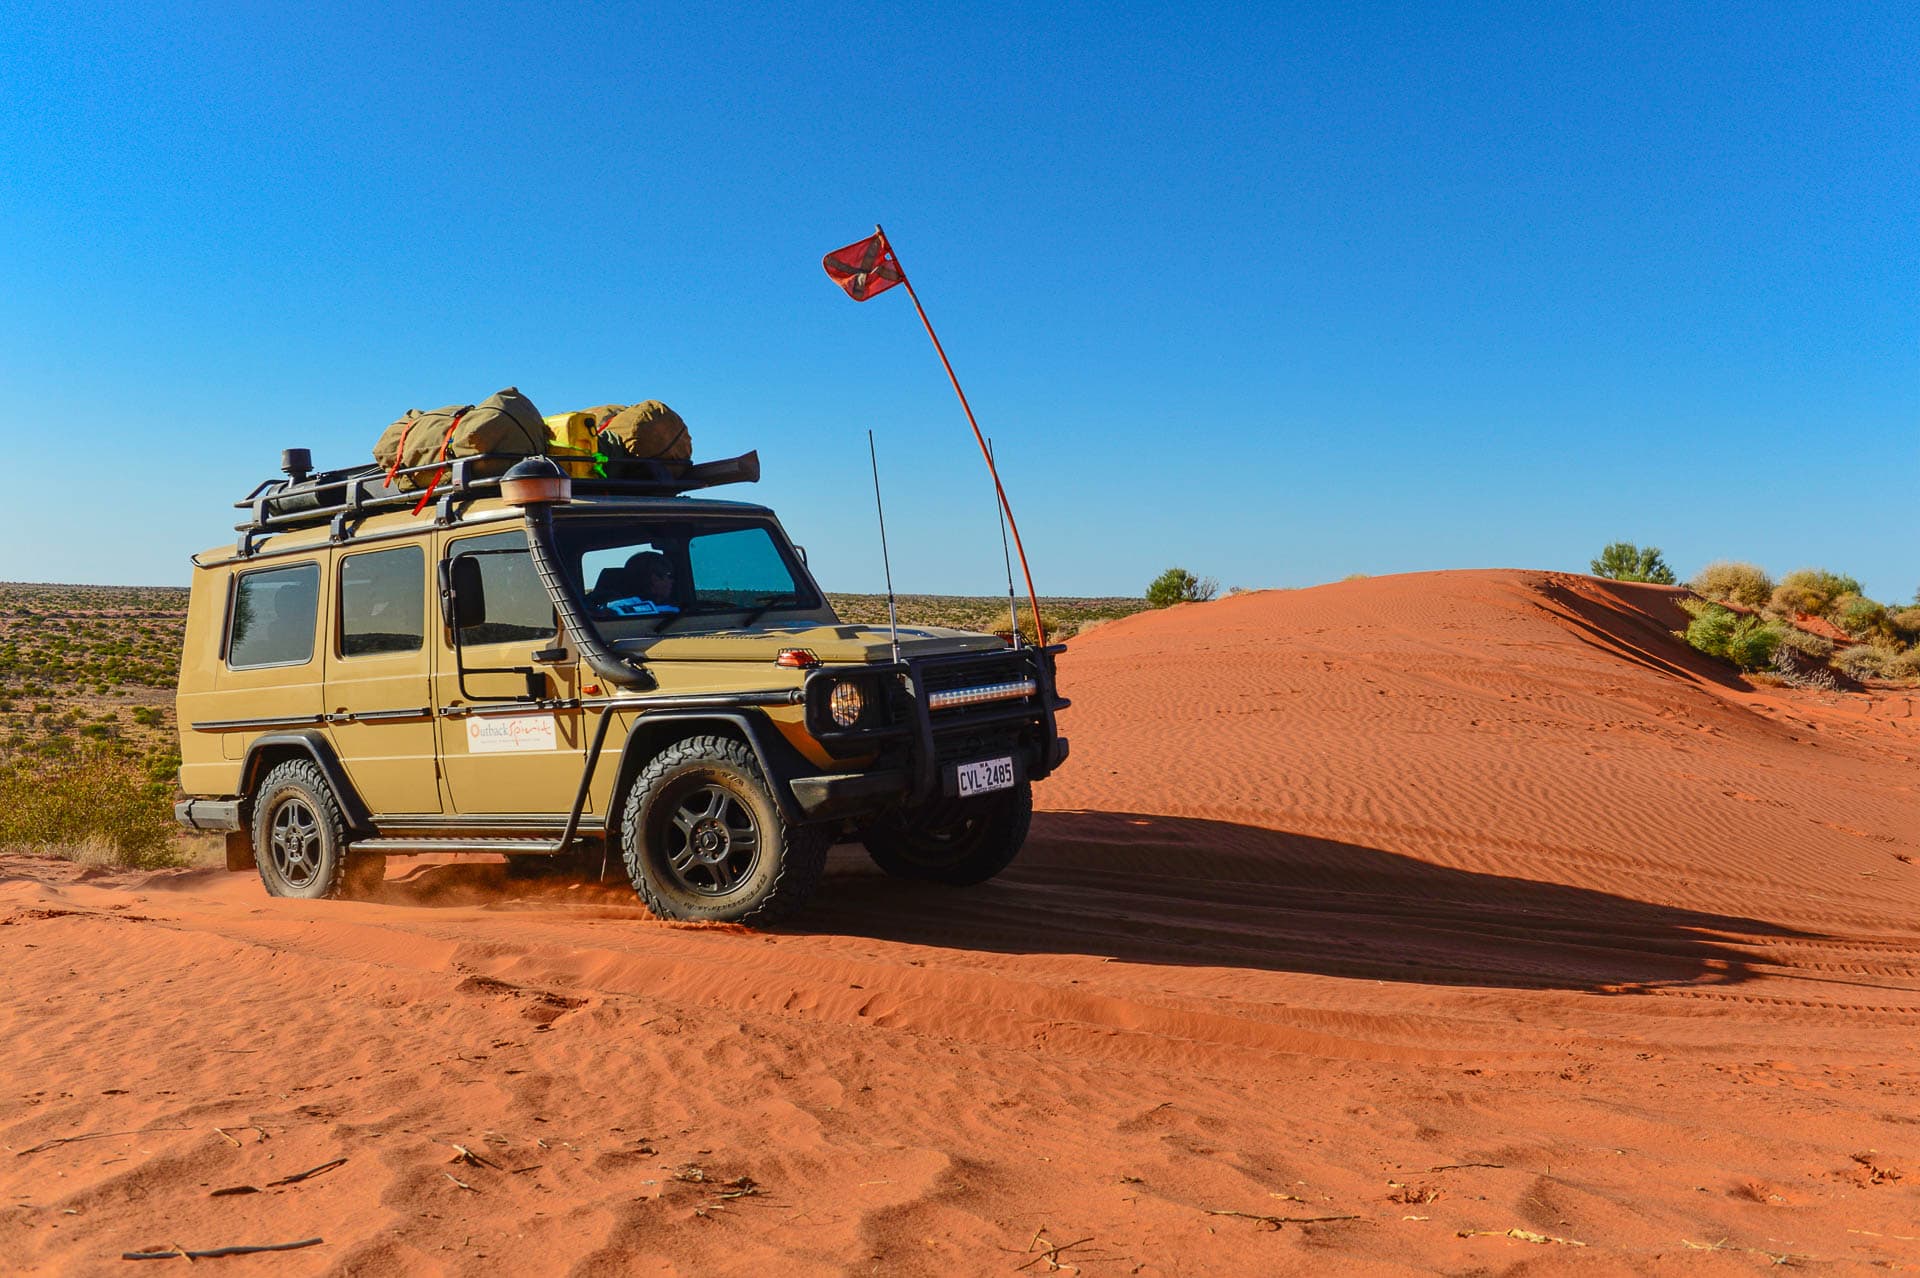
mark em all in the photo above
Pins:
pixel 1729 582
pixel 1753 642
pixel 1861 661
pixel 1748 642
pixel 1811 645
pixel 1624 561
pixel 1860 616
pixel 92 794
pixel 1800 670
pixel 1710 628
pixel 147 716
pixel 1906 624
pixel 1177 585
pixel 1902 665
pixel 1811 591
pixel 1055 627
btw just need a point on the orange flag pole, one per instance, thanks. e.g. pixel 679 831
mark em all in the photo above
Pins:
pixel 1039 630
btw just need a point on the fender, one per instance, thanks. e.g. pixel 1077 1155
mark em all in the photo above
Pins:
pixel 320 750
pixel 644 740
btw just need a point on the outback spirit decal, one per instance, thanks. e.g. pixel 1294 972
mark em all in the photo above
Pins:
pixel 510 734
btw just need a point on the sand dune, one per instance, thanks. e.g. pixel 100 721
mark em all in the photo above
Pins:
pixel 1469 913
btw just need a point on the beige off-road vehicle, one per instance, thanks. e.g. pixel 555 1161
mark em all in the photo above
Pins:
pixel 577 673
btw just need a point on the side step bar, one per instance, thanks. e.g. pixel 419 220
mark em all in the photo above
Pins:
pixel 418 847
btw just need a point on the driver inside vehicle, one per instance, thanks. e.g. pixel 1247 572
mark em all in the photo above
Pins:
pixel 653 574
pixel 644 586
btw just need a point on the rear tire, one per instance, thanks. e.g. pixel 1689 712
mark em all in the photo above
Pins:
pixel 299 836
pixel 958 842
pixel 703 838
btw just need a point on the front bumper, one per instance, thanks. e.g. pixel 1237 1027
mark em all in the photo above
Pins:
pixel 849 793
pixel 938 711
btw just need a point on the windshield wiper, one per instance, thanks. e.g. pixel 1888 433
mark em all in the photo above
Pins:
pixel 759 610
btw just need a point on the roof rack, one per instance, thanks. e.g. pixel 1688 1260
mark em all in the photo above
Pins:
pixel 302 500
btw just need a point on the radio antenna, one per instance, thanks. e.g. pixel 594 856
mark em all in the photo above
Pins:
pixel 1013 609
pixel 893 619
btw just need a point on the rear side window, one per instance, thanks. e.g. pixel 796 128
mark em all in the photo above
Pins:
pixel 514 604
pixel 383 602
pixel 273 617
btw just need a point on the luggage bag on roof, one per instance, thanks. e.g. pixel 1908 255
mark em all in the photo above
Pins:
pixel 504 423
pixel 648 432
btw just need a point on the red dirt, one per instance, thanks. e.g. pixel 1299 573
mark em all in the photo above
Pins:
pixel 1456 904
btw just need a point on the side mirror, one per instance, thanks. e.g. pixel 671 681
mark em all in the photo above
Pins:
pixel 802 552
pixel 467 593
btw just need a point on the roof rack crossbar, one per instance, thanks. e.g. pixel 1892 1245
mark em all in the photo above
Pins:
pixel 280 504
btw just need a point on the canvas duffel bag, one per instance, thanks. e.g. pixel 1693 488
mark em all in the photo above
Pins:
pixel 505 423
pixel 646 432
pixel 393 441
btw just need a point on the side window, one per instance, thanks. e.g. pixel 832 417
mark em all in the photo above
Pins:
pixel 515 603
pixel 273 617
pixel 383 602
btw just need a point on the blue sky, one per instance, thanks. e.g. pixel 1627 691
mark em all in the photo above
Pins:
pixel 1277 293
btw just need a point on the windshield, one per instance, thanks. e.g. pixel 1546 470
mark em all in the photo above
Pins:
pixel 643 576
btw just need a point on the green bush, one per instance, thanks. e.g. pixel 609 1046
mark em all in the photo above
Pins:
pixel 92 794
pixel 1727 582
pixel 1624 561
pixel 1906 624
pixel 1860 616
pixel 1811 591
pixel 1753 643
pixel 1746 641
pixel 1177 585
pixel 1711 627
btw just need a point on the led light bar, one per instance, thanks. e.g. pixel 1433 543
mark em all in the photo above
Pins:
pixel 985 692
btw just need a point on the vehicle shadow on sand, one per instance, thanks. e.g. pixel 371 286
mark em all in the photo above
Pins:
pixel 1171 890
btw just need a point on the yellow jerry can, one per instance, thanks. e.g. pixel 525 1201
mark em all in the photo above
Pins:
pixel 573 442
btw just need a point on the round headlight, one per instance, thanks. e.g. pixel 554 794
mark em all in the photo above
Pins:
pixel 847 702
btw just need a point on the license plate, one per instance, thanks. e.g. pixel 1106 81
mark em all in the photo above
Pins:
pixel 984 777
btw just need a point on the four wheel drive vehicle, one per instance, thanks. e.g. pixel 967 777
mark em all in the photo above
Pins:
pixel 585 672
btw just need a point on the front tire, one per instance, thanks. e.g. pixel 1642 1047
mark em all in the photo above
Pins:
pixel 703 838
pixel 958 842
pixel 299 836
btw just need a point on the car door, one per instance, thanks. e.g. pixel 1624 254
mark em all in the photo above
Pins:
pixel 379 691
pixel 269 678
pixel 500 756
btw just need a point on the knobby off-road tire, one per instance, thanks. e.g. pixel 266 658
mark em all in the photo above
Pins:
pixel 958 842
pixel 703 838
pixel 299 836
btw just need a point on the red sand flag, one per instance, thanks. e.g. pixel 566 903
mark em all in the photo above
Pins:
pixel 870 266
pixel 864 268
